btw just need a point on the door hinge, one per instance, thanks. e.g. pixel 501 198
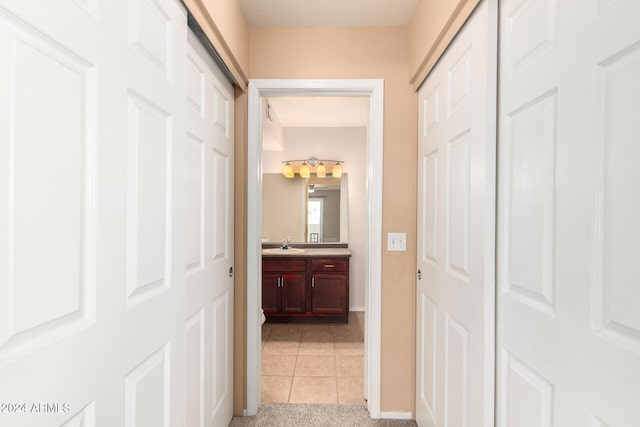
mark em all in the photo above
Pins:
pixel 419 274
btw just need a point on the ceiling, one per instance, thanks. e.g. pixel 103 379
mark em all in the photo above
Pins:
pixel 321 111
pixel 327 13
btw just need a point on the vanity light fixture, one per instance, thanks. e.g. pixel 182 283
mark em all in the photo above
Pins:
pixel 305 168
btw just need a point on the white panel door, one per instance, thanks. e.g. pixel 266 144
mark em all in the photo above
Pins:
pixel 209 242
pixel 568 287
pixel 93 204
pixel 456 233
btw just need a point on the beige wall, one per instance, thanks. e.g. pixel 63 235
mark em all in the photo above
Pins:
pixel 433 26
pixel 240 253
pixel 368 53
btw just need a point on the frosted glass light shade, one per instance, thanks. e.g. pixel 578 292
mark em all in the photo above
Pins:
pixel 304 171
pixel 287 170
pixel 336 172
pixel 321 170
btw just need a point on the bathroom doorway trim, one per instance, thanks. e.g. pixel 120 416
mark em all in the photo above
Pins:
pixel 374 90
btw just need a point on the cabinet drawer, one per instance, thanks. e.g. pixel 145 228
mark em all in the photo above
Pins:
pixel 329 265
pixel 286 265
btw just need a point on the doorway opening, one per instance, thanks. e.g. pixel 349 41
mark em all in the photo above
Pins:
pixel 373 90
pixel 314 359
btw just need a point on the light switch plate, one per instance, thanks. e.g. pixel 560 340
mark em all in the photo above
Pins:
pixel 396 242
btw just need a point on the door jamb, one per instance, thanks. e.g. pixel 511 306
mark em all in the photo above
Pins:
pixel 374 90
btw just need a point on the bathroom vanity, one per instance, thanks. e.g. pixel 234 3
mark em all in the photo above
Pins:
pixel 308 284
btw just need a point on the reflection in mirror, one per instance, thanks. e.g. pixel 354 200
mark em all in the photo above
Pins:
pixel 323 210
pixel 313 210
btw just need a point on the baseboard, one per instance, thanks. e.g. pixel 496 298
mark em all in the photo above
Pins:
pixel 396 415
pixel 356 309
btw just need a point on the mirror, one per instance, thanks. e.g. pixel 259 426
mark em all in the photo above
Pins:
pixel 313 210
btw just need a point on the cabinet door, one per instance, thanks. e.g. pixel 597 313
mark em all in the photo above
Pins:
pixel 329 293
pixel 293 293
pixel 270 293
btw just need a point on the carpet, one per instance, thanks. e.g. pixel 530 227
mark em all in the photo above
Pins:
pixel 313 415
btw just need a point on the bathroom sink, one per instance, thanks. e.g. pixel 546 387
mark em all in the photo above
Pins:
pixel 283 251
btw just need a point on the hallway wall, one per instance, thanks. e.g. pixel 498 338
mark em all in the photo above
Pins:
pixel 362 53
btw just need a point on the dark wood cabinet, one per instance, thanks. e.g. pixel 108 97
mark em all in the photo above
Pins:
pixel 271 299
pixel 292 290
pixel 305 289
pixel 329 286
pixel 284 286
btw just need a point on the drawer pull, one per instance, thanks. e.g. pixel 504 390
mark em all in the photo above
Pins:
pixel 329 266
pixel 313 282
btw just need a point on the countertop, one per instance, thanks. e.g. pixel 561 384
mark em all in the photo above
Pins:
pixel 309 252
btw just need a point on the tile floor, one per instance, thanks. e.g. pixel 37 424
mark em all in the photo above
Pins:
pixel 313 363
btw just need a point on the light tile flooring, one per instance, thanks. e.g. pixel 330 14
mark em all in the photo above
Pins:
pixel 313 363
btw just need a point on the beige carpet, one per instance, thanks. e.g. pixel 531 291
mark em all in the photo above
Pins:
pixel 310 415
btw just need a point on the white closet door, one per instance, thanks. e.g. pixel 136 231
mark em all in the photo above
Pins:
pixel 209 241
pixel 93 254
pixel 456 232
pixel 569 138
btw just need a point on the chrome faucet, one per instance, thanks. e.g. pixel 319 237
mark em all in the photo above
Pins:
pixel 285 243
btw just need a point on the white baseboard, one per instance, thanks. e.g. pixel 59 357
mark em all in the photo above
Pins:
pixel 396 415
pixel 356 309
